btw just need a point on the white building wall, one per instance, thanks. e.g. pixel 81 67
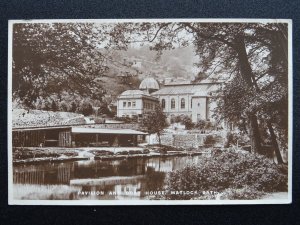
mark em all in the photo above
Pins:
pixel 177 110
pixel 199 110
pixel 124 111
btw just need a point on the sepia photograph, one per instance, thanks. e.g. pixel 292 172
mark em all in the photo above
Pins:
pixel 150 112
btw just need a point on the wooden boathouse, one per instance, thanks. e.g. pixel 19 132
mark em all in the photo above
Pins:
pixel 99 135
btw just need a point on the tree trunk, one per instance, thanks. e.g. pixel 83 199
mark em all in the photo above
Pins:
pixel 159 140
pixel 274 143
pixel 245 68
pixel 248 77
pixel 254 134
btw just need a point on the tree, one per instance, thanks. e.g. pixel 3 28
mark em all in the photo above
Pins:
pixel 73 107
pixel 52 58
pixel 86 108
pixel 155 122
pixel 54 106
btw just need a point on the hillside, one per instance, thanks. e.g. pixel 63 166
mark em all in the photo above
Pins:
pixel 128 68
pixel 125 71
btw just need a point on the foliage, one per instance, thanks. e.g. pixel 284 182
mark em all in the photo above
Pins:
pixel 31 153
pixel 50 58
pixel 63 106
pixel 185 120
pixel 54 106
pixel 229 169
pixel 235 138
pixel 245 193
pixel 252 57
pixel 209 140
pixel 73 107
pixel 85 108
pixel 200 124
pixel 155 122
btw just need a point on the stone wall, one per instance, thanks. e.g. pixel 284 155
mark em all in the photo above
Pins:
pixel 186 140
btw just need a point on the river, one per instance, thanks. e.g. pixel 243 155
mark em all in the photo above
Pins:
pixel 135 178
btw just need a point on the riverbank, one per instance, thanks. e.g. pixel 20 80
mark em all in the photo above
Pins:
pixel 52 154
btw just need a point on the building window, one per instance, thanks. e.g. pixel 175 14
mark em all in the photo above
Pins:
pixel 124 104
pixel 133 104
pixel 172 103
pixel 129 104
pixel 182 103
pixel 163 103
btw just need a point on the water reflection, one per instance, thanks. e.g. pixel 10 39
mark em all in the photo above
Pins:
pixel 118 179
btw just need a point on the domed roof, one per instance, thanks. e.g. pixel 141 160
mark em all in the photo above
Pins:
pixel 149 83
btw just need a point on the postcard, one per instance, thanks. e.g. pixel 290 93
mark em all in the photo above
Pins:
pixel 150 112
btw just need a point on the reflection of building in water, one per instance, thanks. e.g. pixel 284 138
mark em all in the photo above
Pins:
pixel 160 165
pixel 128 190
pixel 168 165
pixel 64 174
pixel 29 177
pixel 124 179
pixel 60 174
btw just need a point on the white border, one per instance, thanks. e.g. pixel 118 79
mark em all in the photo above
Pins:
pixel 12 201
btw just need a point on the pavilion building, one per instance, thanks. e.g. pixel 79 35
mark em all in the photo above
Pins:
pixel 193 100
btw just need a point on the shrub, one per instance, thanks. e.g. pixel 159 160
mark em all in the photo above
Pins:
pixel 185 120
pixel 209 140
pixel 73 107
pixel 234 138
pixel 99 120
pixel 201 124
pixel 226 170
pixel 246 192
pixel 54 107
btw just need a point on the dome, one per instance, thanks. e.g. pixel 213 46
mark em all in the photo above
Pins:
pixel 149 84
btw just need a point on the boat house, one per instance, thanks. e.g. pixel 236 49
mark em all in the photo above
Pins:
pixel 98 135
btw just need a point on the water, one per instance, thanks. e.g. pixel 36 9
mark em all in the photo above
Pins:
pixel 137 178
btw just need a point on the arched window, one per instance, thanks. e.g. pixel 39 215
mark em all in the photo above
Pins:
pixel 182 103
pixel 172 103
pixel 163 103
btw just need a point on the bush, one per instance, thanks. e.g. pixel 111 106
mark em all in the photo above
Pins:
pixel 234 138
pixel 209 140
pixel 99 120
pixel 226 170
pixel 246 192
pixel 201 124
pixel 185 120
